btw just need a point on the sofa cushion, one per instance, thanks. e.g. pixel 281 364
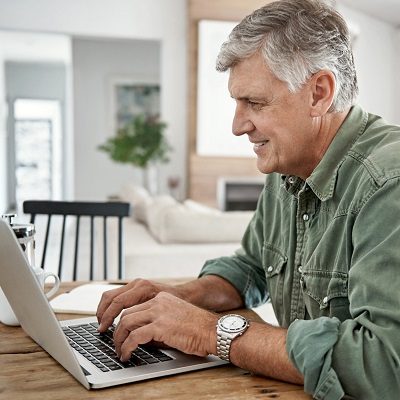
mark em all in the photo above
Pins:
pixel 173 222
pixel 169 221
pixel 201 208
pixel 138 197
pixel 155 212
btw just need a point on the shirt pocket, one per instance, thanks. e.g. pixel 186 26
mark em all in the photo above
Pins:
pixel 274 263
pixel 326 293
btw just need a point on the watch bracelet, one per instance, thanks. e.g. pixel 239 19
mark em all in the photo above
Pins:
pixel 223 347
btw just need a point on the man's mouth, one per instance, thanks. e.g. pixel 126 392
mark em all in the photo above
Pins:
pixel 260 144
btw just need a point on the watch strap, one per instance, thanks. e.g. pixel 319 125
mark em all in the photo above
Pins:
pixel 223 346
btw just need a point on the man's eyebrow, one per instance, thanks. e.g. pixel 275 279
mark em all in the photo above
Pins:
pixel 261 99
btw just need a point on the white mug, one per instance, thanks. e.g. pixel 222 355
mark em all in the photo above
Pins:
pixel 7 315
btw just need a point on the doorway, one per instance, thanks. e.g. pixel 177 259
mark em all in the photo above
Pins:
pixel 36 131
pixel 37 151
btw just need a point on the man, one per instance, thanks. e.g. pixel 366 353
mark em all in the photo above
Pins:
pixel 323 244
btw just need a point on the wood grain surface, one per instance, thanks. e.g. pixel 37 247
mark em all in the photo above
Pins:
pixel 28 372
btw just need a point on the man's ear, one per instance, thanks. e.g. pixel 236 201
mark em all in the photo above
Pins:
pixel 323 85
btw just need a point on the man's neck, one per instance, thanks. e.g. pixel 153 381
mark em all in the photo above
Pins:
pixel 329 127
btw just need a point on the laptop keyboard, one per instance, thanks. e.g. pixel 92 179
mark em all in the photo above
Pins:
pixel 98 348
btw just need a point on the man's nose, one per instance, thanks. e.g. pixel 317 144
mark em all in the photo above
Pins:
pixel 241 123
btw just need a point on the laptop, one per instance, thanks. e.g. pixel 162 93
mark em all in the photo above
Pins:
pixel 76 344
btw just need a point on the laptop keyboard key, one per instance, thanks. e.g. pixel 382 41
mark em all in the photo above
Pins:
pixel 152 360
pixel 98 348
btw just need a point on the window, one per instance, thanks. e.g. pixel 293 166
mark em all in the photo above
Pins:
pixel 38 153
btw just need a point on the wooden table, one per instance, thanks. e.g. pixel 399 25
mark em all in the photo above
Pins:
pixel 28 372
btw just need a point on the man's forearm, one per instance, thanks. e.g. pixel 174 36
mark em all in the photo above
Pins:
pixel 212 293
pixel 262 349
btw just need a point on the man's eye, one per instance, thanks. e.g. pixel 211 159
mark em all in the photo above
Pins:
pixel 253 105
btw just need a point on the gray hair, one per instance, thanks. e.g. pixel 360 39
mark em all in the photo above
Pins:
pixel 297 38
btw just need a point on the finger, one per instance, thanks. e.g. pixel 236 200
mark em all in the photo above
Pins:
pixel 115 307
pixel 141 335
pixel 139 291
pixel 127 299
pixel 128 324
pixel 107 298
pixel 109 295
pixel 138 307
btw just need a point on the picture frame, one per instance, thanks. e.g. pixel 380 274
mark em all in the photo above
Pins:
pixel 131 96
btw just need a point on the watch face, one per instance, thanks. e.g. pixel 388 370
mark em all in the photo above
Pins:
pixel 233 323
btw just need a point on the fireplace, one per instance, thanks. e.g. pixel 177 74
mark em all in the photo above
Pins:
pixel 239 193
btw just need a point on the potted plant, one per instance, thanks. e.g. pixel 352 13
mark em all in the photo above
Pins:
pixel 142 143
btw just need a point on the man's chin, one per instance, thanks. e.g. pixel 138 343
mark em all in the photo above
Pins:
pixel 264 167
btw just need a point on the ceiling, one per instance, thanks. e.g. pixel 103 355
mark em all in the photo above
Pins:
pixel 386 10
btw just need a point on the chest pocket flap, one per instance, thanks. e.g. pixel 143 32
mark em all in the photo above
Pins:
pixel 274 263
pixel 329 291
pixel 274 260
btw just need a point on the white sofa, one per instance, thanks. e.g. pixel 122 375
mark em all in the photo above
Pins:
pixel 166 239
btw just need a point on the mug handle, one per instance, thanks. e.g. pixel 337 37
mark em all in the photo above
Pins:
pixel 56 286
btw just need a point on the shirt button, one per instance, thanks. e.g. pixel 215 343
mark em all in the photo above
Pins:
pixel 291 180
pixel 270 268
pixel 300 269
pixel 306 217
pixel 325 300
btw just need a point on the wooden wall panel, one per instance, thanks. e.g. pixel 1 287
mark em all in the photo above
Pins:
pixel 207 170
pixel 204 171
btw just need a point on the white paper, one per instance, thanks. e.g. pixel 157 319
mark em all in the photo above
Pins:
pixel 82 300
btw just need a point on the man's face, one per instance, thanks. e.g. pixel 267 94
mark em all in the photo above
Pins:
pixel 277 121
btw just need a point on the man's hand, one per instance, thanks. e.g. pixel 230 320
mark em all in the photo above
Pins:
pixel 169 320
pixel 136 292
pixel 210 292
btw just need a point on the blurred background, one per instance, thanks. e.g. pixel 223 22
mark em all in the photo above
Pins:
pixel 64 65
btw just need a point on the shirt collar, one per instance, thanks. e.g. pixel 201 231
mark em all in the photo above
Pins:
pixel 323 178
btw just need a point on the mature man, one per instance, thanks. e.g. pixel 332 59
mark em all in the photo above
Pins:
pixel 324 242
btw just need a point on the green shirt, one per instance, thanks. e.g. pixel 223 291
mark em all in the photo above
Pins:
pixel 326 251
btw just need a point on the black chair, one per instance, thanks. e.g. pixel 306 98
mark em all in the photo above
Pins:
pixel 78 210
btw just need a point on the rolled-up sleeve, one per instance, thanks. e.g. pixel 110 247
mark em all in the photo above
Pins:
pixel 359 357
pixel 320 379
pixel 244 269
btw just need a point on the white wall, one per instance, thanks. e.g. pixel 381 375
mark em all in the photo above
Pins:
pixel 151 19
pixel 376 57
pixel 96 65
pixel 3 144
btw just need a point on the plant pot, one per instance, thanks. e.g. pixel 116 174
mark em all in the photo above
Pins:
pixel 150 178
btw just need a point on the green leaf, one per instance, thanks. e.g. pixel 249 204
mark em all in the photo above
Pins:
pixel 139 142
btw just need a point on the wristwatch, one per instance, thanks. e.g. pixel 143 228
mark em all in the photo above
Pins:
pixel 229 327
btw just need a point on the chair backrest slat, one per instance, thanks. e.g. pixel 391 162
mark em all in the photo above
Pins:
pixel 78 209
pixel 46 240
pixel 105 248
pixel 62 246
pixel 78 217
pixel 91 246
pixel 121 265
